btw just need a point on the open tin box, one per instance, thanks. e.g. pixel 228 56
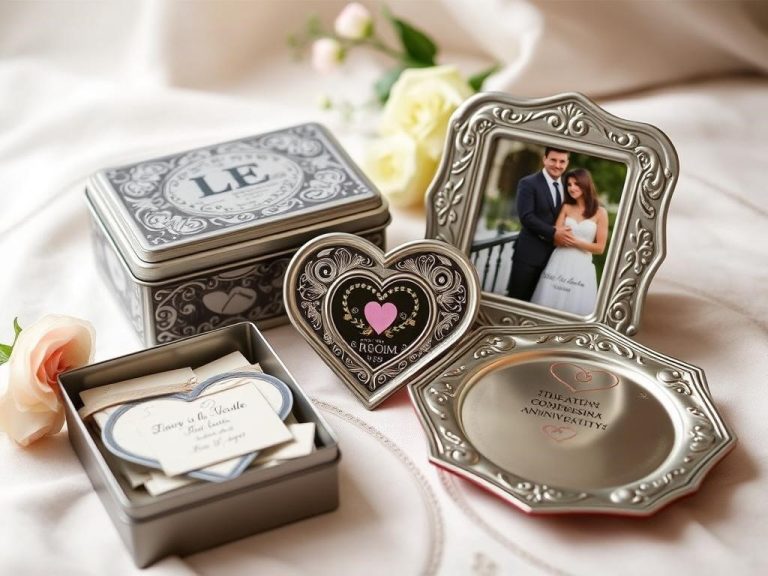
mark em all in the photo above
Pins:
pixel 200 239
pixel 203 514
pixel 549 406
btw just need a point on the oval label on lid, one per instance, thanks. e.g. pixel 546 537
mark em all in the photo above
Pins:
pixel 233 183
pixel 258 187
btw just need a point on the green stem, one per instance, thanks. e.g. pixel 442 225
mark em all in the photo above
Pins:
pixel 376 43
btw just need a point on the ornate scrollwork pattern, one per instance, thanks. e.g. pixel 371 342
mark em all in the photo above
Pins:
pixel 570 119
pixel 443 391
pixel 319 274
pixel 457 448
pixel 593 341
pixel 535 493
pixel 646 491
pixel 186 195
pixel 494 345
pixel 247 293
pixel 619 315
pixel 675 380
pixel 443 277
pixel 639 255
pixel 702 433
pixel 492 317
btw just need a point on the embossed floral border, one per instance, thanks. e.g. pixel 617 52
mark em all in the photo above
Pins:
pixel 571 121
pixel 703 437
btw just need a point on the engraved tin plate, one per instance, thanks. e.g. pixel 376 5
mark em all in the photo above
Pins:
pixel 571 419
pixel 379 320
pixel 490 199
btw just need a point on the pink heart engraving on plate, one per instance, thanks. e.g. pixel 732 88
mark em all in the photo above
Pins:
pixel 380 317
pixel 578 379
pixel 559 433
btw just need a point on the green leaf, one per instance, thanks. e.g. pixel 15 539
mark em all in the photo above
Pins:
pixel 417 45
pixel 476 81
pixel 383 85
pixel 7 349
pixel 408 63
pixel 5 353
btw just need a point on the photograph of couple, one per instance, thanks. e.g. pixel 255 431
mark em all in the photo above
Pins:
pixel 545 223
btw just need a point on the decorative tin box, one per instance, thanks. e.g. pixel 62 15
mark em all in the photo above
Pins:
pixel 204 514
pixel 202 238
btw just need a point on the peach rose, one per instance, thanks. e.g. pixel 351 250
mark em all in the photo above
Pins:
pixel 30 406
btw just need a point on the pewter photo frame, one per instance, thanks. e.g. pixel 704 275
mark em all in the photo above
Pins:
pixel 490 192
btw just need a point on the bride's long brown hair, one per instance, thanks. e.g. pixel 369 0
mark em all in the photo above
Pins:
pixel 584 181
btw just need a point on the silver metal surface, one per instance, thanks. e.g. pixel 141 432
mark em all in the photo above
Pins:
pixel 573 122
pixel 284 240
pixel 231 192
pixel 574 418
pixel 201 239
pixel 165 310
pixel 204 514
pixel 432 287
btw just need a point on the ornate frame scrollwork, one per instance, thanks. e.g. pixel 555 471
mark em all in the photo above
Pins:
pixel 573 122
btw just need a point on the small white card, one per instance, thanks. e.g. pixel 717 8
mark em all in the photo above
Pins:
pixel 233 362
pixel 170 382
pixel 303 443
pixel 187 436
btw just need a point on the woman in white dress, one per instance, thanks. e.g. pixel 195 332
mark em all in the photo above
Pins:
pixel 569 281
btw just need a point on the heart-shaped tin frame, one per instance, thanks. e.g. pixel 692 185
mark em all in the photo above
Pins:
pixel 112 444
pixel 342 337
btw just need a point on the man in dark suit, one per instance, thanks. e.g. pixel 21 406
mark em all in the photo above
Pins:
pixel 539 197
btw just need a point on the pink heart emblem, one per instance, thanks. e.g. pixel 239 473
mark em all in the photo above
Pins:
pixel 559 433
pixel 380 317
pixel 577 379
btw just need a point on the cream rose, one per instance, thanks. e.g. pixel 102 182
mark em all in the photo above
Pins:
pixel 421 103
pixel 400 167
pixel 30 406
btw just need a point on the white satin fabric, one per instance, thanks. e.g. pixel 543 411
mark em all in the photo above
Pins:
pixel 88 84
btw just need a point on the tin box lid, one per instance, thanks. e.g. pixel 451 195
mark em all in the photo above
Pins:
pixel 225 194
